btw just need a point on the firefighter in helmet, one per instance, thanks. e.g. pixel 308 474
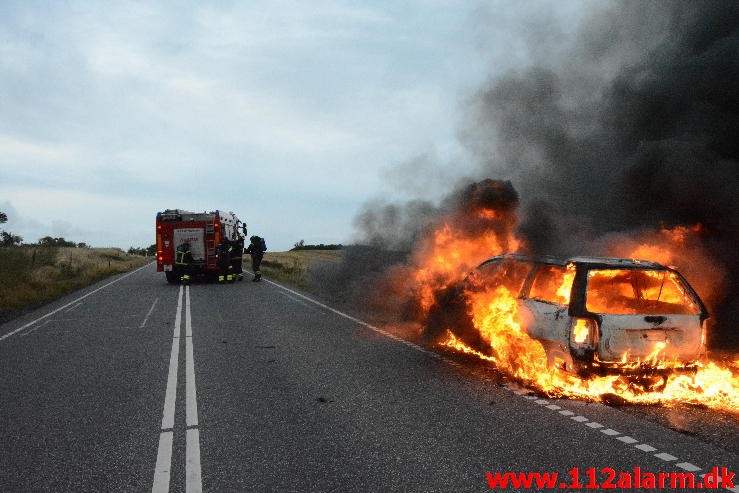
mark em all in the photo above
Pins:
pixel 183 261
pixel 225 266
pixel 256 249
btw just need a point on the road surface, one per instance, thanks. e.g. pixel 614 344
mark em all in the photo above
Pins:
pixel 136 385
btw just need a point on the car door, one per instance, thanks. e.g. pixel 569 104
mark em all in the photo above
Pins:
pixel 544 306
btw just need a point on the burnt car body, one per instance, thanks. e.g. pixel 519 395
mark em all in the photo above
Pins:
pixel 592 315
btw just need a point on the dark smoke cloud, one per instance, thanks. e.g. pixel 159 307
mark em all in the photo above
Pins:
pixel 632 128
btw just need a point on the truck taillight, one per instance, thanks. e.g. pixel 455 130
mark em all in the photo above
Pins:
pixel 583 330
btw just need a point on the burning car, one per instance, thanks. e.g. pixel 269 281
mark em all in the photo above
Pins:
pixel 591 315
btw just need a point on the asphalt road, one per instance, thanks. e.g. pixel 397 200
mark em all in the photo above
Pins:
pixel 137 385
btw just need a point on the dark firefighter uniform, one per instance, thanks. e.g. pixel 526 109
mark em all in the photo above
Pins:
pixel 225 255
pixel 256 252
pixel 183 260
pixel 237 259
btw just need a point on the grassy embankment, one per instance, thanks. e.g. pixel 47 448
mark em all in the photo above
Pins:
pixel 33 275
pixel 294 267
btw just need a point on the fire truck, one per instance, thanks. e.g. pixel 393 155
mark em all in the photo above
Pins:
pixel 203 231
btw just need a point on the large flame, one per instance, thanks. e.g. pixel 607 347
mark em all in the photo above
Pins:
pixel 448 252
pixel 494 314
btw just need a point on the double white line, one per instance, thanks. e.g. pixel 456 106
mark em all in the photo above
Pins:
pixel 193 480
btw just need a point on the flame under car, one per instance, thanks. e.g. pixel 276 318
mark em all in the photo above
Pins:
pixel 592 315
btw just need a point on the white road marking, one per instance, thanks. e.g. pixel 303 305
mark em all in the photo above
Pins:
pixel 688 466
pixel 191 404
pixel 73 307
pixel 164 463
pixel 164 454
pixel 188 319
pixel 627 439
pixel 25 326
pixel 148 314
pixel 579 419
pixel 300 302
pixel 645 447
pixel 193 478
pixel 170 397
pixel 566 413
pixel 35 328
pixel 665 457
pixel 594 424
pixel 610 432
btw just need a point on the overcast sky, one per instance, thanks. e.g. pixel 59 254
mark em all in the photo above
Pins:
pixel 291 114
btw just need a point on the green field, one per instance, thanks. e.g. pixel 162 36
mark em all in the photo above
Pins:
pixel 33 275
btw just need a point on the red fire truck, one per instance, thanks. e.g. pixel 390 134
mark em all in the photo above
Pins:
pixel 202 230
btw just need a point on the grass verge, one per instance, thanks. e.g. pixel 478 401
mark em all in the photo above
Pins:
pixel 30 276
pixel 293 268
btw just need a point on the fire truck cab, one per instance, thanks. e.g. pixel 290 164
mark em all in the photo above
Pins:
pixel 203 231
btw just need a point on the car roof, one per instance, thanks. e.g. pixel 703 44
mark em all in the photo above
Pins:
pixel 589 262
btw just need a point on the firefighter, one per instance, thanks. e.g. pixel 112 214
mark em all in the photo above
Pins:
pixel 225 253
pixel 257 252
pixel 237 258
pixel 183 260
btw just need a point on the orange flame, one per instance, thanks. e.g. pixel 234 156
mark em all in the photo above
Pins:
pixel 449 252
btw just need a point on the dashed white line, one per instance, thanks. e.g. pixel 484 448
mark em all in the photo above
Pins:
pixel 35 328
pixel 645 447
pixel 610 432
pixel 665 457
pixel 148 314
pixel 688 466
pixel 579 419
pixel 300 302
pixel 73 307
pixel 594 424
pixel 627 439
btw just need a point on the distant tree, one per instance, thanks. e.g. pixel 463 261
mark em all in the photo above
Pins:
pixel 6 237
pixel 83 245
pixel 9 239
pixel 55 242
pixel 302 246
pixel 144 252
